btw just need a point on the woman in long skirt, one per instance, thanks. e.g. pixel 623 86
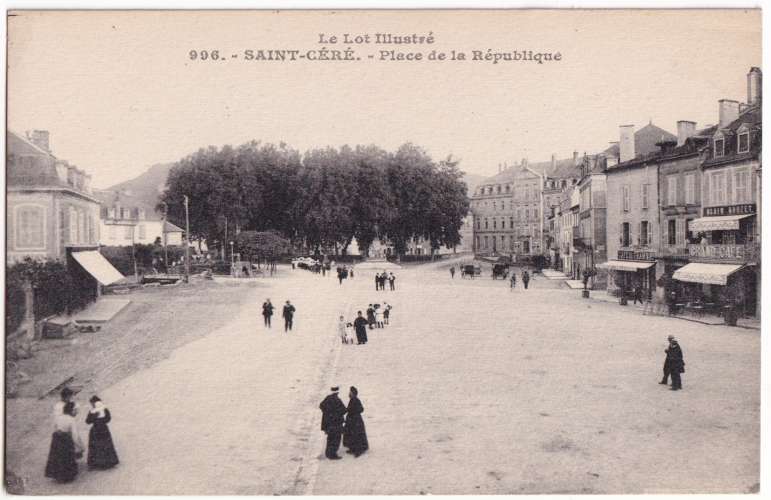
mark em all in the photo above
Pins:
pixel 101 451
pixel 66 446
pixel 354 434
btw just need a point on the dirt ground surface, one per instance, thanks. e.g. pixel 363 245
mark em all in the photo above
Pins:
pixel 473 388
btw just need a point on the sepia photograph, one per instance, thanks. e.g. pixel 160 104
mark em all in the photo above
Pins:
pixel 383 252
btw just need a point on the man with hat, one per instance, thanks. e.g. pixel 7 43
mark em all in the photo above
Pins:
pixel 665 380
pixel 676 364
pixel 332 413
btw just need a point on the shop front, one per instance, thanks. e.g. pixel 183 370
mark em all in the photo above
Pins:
pixel 711 288
pixel 624 276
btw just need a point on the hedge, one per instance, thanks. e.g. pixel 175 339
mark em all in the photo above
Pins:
pixel 55 292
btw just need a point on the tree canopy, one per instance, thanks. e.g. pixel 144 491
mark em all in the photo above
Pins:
pixel 322 199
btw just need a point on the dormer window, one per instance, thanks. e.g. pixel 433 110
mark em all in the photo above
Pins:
pixel 719 147
pixel 508 189
pixel 743 141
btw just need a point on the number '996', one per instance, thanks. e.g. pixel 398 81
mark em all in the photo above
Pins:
pixel 203 55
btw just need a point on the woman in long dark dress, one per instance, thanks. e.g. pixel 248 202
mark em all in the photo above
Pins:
pixel 101 451
pixel 66 446
pixel 354 434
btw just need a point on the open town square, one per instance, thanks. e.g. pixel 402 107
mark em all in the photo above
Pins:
pixel 458 398
pixel 384 252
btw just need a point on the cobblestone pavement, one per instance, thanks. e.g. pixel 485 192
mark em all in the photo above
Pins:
pixel 473 388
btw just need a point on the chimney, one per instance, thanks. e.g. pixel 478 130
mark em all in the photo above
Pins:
pixel 729 111
pixel 754 86
pixel 626 143
pixel 553 162
pixel 41 139
pixel 685 129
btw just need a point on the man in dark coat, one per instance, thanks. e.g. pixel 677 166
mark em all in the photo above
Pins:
pixel 377 281
pixel 664 380
pixel 371 316
pixel 638 295
pixel 332 413
pixel 288 315
pixel 525 278
pixel 676 364
pixel 360 326
pixel 267 311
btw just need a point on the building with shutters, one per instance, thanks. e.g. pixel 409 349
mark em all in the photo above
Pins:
pixel 632 216
pixel 724 245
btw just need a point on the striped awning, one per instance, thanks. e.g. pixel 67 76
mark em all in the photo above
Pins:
pixel 717 223
pixel 709 274
pixel 626 265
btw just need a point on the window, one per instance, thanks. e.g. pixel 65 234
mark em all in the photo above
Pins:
pixel 625 237
pixel 30 222
pixel 142 232
pixel 74 237
pixel 718 196
pixel 680 239
pixel 110 213
pixel 111 232
pixel 690 189
pixel 486 224
pixel 671 232
pixel 478 223
pixel 644 233
pixel 511 222
pixel 495 206
pixel 519 214
pixel 485 246
pixel 740 187
pixel 141 214
pixel 719 147
pixel 495 223
pixel 644 195
pixel 743 145
pixel 126 213
pixel 82 235
pixel 91 228
pixel 535 212
pixel 527 214
pixel 508 189
pixel 625 198
pixel 672 190
pixel 127 232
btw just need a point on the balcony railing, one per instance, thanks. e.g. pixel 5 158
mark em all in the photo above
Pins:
pixel 749 252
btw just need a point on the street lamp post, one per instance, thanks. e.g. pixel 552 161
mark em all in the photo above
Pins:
pixel 187 241
pixel 163 235
pixel 232 260
pixel 134 253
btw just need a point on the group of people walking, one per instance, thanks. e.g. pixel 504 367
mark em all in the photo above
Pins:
pixel 343 273
pixel 287 313
pixel 67 446
pixel 377 317
pixel 340 422
pixel 382 278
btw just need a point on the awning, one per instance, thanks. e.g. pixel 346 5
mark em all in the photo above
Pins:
pixel 717 223
pixel 710 274
pixel 98 267
pixel 626 265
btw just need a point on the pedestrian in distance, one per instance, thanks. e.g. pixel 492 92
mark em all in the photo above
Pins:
pixel 341 330
pixel 525 278
pixel 371 316
pixel 340 275
pixel 386 312
pixel 267 312
pixel 288 315
pixel 351 272
pixel 378 316
pixel 676 364
pixel 452 272
pixel 360 326
pixel 513 281
pixel 101 450
pixel 377 282
pixel 637 295
pixel 665 380
pixel 332 420
pixel 392 281
pixel 66 446
pixel 355 434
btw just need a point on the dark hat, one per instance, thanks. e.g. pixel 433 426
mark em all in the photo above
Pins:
pixel 335 388
pixel 670 337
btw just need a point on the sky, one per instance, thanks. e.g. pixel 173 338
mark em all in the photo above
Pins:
pixel 118 91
